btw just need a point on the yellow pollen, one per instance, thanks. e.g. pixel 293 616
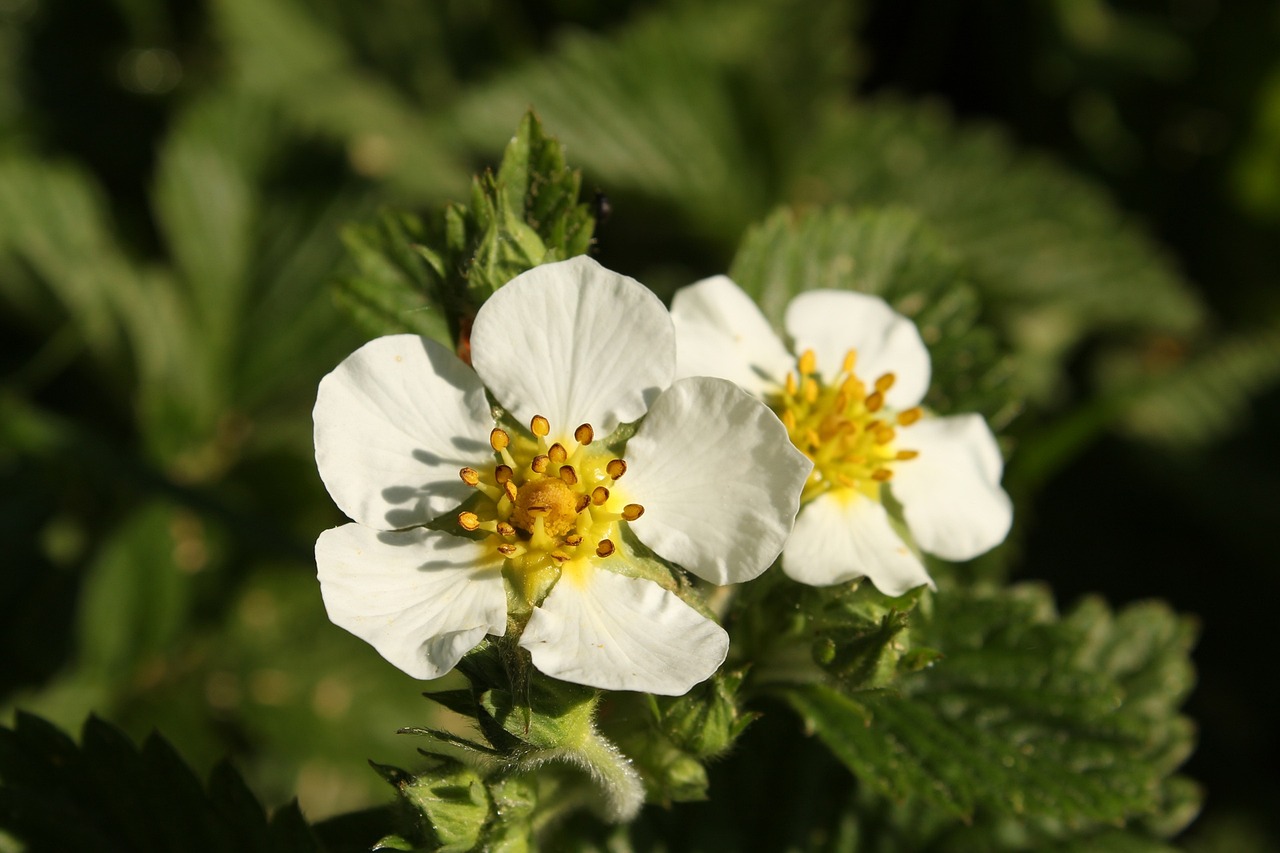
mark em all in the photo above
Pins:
pixel 599 495
pixel 884 435
pixel 584 501
pixel 904 455
pixel 510 489
pixel 540 426
pixel 874 401
pixel 470 476
pixel 910 416
pixel 569 475
pixel 506 549
pixel 584 434
pixel 540 463
pixel 616 468
pixel 573 539
pixel 808 363
pixel 549 500
pixel 850 359
pixel 557 453
pixel 604 549
pixel 498 439
pixel 632 511
pixel 468 520
pixel 881 475
pixel 502 473
pixel 791 384
pixel 505 529
pixel 884 383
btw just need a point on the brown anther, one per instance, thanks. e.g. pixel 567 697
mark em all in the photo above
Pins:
pixel 884 435
pixel 540 426
pixel 875 401
pixel 904 455
pixel 604 549
pixel 470 476
pixel 884 383
pixel 558 454
pixel 850 359
pixel 569 475
pixel 506 529
pixel 506 549
pixel 540 463
pixel 468 520
pixel 881 475
pixel 632 511
pixel 616 468
pixel 498 439
pixel 584 434
pixel 599 495
pixel 808 363
pixel 573 539
pixel 510 488
pixel 502 473
pixel 910 416
pixel 583 502
pixel 560 556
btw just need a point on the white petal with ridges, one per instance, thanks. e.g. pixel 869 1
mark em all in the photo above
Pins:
pixel 720 331
pixel 575 343
pixel 394 423
pixel 620 633
pixel 843 535
pixel 422 598
pixel 718 478
pixel 831 322
pixel 950 494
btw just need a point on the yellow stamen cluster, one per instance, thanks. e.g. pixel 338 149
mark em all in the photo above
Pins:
pixel 547 504
pixel 843 427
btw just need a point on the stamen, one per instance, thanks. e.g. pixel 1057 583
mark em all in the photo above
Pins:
pixel 808 363
pixel 573 539
pixel 498 439
pixel 791 384
pixel 881 475
pixel 470 476
pixel 505 528
pixel 616 468
pixel 910 416
pixel 510 488
pixel 583 502
pixel 506 549
pixel 569 475
pixel 502 474
pixel 904 455
pixel 850 359
pixel 875 401
pixel 789 420
pixel 604 549
pixel 584 434
pixel 540 426
pixel 599 495
pixel 540 463
pixel 884 383
pixel 560 556
pixel 468 520
pixel 632 511
pixel 810 390
pixel 884 435
pixel 558 454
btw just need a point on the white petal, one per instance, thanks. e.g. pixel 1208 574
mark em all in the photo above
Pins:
pixel 575 343
pixel 844 535
pixel 619 633
pixel 950 494
pixel 718 478
pixel 394 422
pixel 422 598
pixel 831 322
pixel 720 331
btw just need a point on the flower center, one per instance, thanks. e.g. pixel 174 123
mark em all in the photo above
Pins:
pixel 843 427
pixel 547 507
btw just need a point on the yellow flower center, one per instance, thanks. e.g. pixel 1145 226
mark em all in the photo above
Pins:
pixel 843 426
pixel 548 508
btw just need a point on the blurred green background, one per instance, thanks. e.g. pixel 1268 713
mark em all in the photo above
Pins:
pixel 175 175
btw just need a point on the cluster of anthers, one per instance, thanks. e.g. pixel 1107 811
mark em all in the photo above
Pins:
pixel 548 505
pixel 845 430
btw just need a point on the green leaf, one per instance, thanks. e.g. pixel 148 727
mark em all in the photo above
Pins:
pixel 893 254
pixel 107 795
pixel 1072 719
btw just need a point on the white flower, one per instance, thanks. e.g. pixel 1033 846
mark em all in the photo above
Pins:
pixel 851 403
pixel 405 434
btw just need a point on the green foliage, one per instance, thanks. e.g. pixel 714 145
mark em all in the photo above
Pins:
pixel 1068 723
pixel 892 254
pixel 429 278
pixel 106 794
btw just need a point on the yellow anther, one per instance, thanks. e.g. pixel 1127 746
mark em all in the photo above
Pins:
pixel 560 556
pixel 510 488
pixel 583 502
pixel 616 468
pixel 881 475
pixel 632 511
pixel 540 426
pixel 789 420
pixel 813 439
pixel 884 435
pixel 599 495
pixel 850 359
pixel 875 401
pixel 498 439
pixel 810 390
pixel 904 455
pixel 558 454
pixel 502 473
pixel 808 363
pixel 470 476
pixel 506 549
pixel 569 475
pixel 505 529
pixel 573 540
pixel 468 520
pixel 884 383
pixel 910 416
pixel 540 463
pixel 791 384
pixel 604 549
pixel 584 434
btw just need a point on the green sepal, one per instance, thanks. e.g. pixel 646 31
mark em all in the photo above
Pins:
pixel 450 800
pixel 558 714
pixel 707 720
